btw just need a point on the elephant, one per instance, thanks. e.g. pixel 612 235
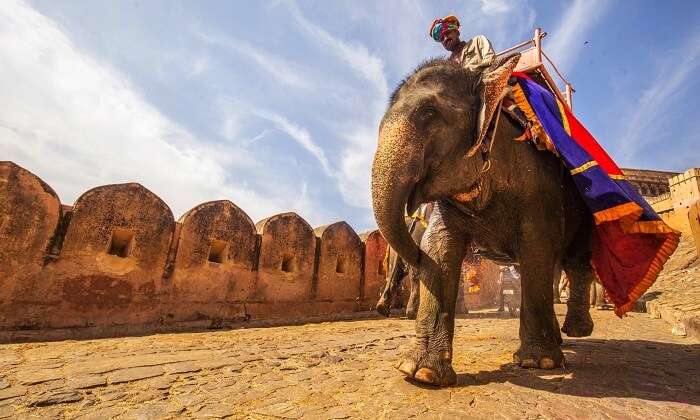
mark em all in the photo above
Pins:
pixel 597 297
pixel 397 269
pixel 441 140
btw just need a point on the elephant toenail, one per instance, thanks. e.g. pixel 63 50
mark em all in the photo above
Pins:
pixel 407 367
pixel 546 363
pixel 425 375
pixel 529 363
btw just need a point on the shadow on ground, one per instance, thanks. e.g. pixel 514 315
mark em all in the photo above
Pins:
pixel 647 370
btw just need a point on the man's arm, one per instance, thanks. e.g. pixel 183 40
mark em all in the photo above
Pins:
pixel 485 50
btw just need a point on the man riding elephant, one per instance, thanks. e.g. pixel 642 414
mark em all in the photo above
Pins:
pixel 475 54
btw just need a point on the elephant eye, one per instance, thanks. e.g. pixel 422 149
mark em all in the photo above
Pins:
pixel 428 114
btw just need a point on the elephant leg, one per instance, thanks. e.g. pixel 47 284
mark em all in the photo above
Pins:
pixel 414 297
pixel 557 279
pixel 444 244
pixel 555 284
pixel 599 295
pixel 591 294
pixel 540 339
pixel 501 303
pixel 393 283
pixel 385 299
pixel 578 321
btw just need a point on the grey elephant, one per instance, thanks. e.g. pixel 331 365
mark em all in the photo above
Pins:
pixel 397 269
pixel 517 204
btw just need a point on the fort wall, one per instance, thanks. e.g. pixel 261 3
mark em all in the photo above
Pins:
pixel 118 260
pixel 374 269
pixel 694 220
pixel 674 206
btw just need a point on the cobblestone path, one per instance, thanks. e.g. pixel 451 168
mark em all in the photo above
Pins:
pixel 630 368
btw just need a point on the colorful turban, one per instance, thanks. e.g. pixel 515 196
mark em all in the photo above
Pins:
pixel 440 27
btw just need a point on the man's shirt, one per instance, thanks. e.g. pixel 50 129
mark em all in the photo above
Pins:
pixel 476 53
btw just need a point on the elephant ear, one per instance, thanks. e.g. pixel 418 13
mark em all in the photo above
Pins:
pixel 494 83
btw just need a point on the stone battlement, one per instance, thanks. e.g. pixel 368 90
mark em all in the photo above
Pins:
pixel 674 207
pixel 685 176
pixel 117 257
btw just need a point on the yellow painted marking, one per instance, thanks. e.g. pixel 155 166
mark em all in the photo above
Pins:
pixel 564 120
pixel 584 167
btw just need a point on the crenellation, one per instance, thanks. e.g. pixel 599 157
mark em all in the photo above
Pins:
pixel 339 265
pixel 111 265
pixel 30 212
pixel 694 221
pixel 29 215
pixel 375 248
pixel 118 260
pixel 684 191
pixel 286 262
pixel 214 263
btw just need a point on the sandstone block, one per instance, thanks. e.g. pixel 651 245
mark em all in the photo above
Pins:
pixel 375 271
pixel 111 266
pixel 30 212
pixel 216 261
pixel 286 262
pixel 339 264
pixel 694 220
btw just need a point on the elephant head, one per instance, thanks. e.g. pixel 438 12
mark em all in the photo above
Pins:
pixel 430 141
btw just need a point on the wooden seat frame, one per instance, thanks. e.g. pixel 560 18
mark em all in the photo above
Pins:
pixel 531 55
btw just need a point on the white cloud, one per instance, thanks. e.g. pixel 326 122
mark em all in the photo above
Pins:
pixel 360 137
pixel 354 177
pixel 78 123
pixel 197 66
pixel 356 55
pixel 564 43
pixel 234 114
pixel 284 71
pixel 409 43
pixel 493 7
pixel 649 112
pixel 97 127
pixel 299 134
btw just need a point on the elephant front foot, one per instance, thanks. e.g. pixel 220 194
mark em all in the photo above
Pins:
pixel 578 323
pixel 538 355
pixel 428 369
pixel 411 313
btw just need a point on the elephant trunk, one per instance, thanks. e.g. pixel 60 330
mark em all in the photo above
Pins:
pixel 395 172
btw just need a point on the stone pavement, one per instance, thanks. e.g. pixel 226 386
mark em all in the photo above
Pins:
pixel 631 368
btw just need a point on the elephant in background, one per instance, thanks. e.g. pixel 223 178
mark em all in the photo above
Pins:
pixel 397 269
pixel 438 142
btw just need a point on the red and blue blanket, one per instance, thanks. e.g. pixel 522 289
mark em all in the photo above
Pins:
pixel 630 242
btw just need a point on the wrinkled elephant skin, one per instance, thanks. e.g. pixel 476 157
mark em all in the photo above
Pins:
pixel 398 269
pixel 523 208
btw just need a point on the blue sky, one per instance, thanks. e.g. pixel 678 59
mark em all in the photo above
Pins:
pixel 275 105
